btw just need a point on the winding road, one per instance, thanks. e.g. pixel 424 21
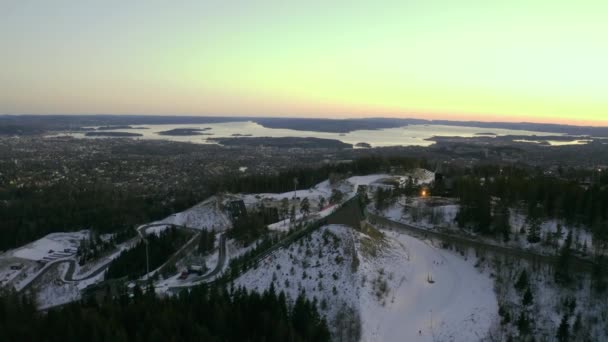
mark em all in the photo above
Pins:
pixel 221 260
pixel 69 274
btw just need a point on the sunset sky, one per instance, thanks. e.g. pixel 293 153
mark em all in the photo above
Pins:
pixel 542 61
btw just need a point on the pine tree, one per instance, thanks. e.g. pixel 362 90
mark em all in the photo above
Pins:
pixel 562 269
pixel 559 233
pixel 501 223
pixel 578 324
pixel 527 298
pixel 336 196
pixel 534 231
pixel 523 323
pixel 563 331
pixel 284 208
pixel 522 281
pixel 321 203
pixel 305 206
pixel 381 198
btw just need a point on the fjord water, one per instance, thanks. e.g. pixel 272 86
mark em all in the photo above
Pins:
pixel 411 135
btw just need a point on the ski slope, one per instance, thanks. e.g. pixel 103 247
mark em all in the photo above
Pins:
pixel 459 306
pixel 205 216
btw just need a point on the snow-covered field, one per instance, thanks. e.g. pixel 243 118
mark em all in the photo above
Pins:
pixel 380 280
pixel 459 306
pixel 30 258
pixel 205 215
pixel 52 246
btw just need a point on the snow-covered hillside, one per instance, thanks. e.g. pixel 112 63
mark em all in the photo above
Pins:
pixel 210 215
pixel 382 282
pixel 51 247
pixel 419 212
pixel 321 266
pixel 459 306
pixel 205 215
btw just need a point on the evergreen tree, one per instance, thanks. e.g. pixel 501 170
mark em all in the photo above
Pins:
pixel 362 193
pixel 578 324
pixel 534 230
pixel 336 196
pixel 598 274
pixel 284 208
pixel 322 203
pixel 201 314
pixel 206 241
pixel 527 298
pixel 563 331
pixel 305 206
pixel 562 269
pixel 523 324
pixel 382 197
pixel 522 281
pixel 500 221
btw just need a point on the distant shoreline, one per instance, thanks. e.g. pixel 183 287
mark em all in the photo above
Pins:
pixel 36 124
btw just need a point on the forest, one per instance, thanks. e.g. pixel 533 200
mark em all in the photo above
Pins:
pixel 202 314
pixel 308 177
pixel 29 213
pixel 132 262
pixel 485 199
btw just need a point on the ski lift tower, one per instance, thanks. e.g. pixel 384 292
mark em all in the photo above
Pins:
pixel 147 259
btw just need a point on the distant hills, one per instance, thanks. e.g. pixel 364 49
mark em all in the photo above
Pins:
pixel 36 124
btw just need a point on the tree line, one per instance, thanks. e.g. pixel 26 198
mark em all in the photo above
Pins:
pixel 29 213
pixel 485 202
pixel 202 314
pixel 132 262
pixel 308 177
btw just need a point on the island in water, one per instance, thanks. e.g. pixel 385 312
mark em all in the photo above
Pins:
pixel 113 127
pixel 363 145
pixel 185 131
pixel 112 134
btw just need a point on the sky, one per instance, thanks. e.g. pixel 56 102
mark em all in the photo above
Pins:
pixel 535 61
